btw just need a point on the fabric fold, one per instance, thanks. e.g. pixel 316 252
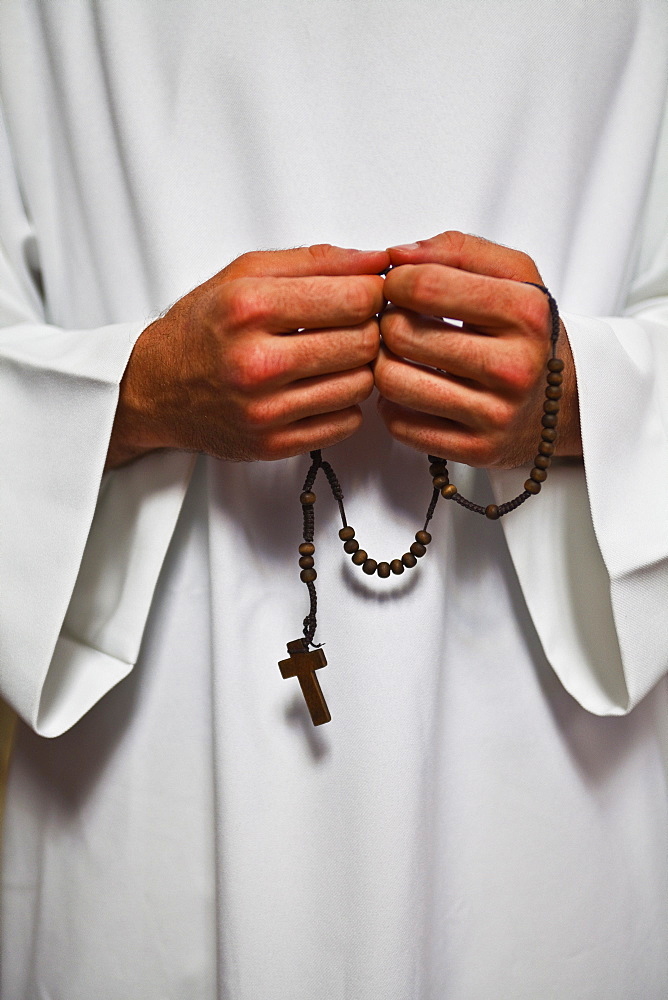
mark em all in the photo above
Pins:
pixel 58 396
pixel 64 385
pixel 591 551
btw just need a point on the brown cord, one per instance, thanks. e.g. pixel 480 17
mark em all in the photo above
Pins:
pixel 441 487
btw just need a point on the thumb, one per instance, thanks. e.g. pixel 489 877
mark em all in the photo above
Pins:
pixel 468 253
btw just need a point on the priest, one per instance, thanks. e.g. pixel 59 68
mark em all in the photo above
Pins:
pixel 191 422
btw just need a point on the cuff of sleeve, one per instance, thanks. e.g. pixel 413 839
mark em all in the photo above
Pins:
pixel 566 586
pixel 622 374
pixel 128 540
pixel 597 593
pixel 58 394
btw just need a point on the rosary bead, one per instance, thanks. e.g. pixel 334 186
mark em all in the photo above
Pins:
pixel 441 482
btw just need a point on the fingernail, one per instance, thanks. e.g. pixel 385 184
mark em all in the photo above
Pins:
pixel 406 246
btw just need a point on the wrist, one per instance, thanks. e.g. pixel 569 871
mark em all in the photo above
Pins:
pixel 569 441
pixel 137 430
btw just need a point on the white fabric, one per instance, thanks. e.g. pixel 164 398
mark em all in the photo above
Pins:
pixel 473 823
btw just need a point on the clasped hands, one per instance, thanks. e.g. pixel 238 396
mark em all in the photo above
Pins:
pixel 273 355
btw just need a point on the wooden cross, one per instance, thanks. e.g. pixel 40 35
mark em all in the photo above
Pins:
pixel 303 664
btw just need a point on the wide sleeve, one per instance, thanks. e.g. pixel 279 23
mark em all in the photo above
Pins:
pixel 59 520
pixel 591 551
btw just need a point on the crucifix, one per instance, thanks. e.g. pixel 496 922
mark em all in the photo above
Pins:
pixel 303 664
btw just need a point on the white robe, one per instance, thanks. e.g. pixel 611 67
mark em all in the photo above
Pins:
pixel 485 816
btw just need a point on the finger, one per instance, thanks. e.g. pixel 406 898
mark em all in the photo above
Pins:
pixel 490 361
pixel 310 397
pixel 321 352
pixel 283 305
pixel 303 436
pixel 491 305
pixel 436 436
pixel 320 259
pixel 468 253
pixel 435 393
pixel 263 362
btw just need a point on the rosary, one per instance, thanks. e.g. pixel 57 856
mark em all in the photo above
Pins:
pixel 303 662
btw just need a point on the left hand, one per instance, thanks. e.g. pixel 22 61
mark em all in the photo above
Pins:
pixel 475 393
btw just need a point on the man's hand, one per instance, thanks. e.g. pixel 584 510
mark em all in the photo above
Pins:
pixel 269 358
pixel 472 393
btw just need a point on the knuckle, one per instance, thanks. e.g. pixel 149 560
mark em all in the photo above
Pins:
pixel 245 263
pixel 364 384
pixel 248 261
pixel 383 378
pixel 242 375
pixel 395 331
pixel 249 366
pixel 524 264
pixel 361 300
pixel 484 453
pixel 454 242
pixel 369 341
pixel 271 448
pixel 381 383
pixel 518 375
pixel 258 414
pixel 501 415
pixel 425 283
pixel 343 425
pixel 243 303
pixel 320 252
pixel 533 312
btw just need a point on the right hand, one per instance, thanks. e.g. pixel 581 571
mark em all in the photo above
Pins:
pixel 226 372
